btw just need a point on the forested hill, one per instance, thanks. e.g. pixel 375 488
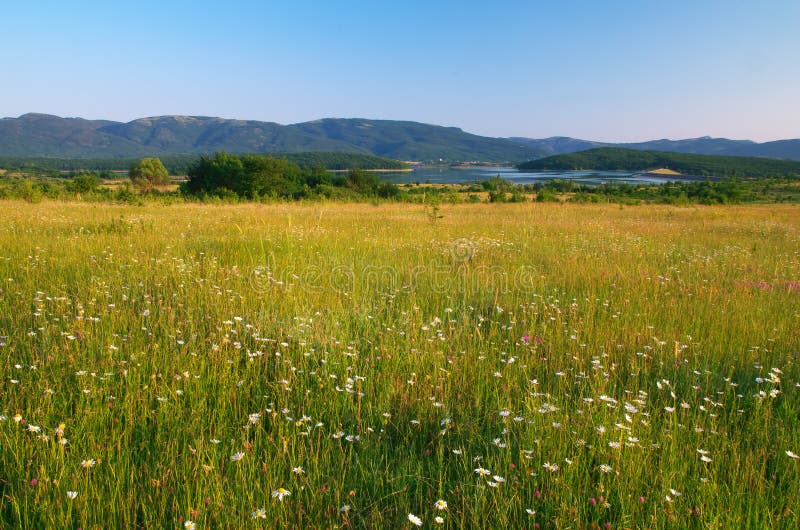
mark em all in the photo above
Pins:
pixel 615 158
pixel 42 135
pixel 559 145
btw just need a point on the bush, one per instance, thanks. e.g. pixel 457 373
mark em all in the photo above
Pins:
pixel 497 196
pixel 83 183
pixel 546 195
pixel 27 190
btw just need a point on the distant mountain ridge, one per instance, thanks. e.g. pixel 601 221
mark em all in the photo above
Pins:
pixel 43 135
pixel 788 149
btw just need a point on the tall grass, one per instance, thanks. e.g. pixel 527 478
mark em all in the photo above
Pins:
pixel 624 368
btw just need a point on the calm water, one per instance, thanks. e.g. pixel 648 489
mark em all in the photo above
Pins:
pixel 438 175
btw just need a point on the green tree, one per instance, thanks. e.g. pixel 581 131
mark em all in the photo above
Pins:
pixel 149 172
pixel 266 176
pixel 213 175
pixel 362 181
pixel 83 182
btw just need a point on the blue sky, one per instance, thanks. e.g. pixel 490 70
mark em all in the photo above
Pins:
pixel 613 70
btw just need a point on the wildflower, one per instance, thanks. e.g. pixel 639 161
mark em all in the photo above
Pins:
pixel 792 455
pixel 345 508
pixel 498 478
pixel 88 463
pixel 237 456
pixel 530 512
pixel 438 520
pixel 17 418
pixel 440 505
pixel 297 470
pixel 260 513
pixel 189 525
pixel 605 468
pixel 34 428
pixel 674 493
pixel 72 494
pixel 482 472
pixel 60 429
pixel 280 493
pixel 414 519
pixel 550 467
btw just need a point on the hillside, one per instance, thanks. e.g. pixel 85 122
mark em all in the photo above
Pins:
pixel 788 149
pixel 615 158
pixel 40 135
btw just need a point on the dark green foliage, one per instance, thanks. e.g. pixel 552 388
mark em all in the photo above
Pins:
pixel 211 175
pixel 613 158
pixel 264 176
pixel 259 176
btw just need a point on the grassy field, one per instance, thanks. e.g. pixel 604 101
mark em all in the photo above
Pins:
pixel 351 366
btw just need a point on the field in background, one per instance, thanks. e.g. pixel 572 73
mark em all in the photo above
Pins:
pixel 349 365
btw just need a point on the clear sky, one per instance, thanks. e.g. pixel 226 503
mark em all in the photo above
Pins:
pixel 613 70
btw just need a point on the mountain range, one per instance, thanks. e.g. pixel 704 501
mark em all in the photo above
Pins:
pixel 43 135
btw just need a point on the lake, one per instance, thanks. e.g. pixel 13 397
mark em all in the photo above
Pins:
pixel 450 175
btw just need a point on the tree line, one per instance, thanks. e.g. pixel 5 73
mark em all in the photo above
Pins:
pixel 179 164
pixel 254 177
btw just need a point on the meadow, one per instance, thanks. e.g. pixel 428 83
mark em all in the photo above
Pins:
pixel 331 365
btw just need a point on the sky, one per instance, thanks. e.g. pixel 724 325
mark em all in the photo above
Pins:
pixel 607 70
